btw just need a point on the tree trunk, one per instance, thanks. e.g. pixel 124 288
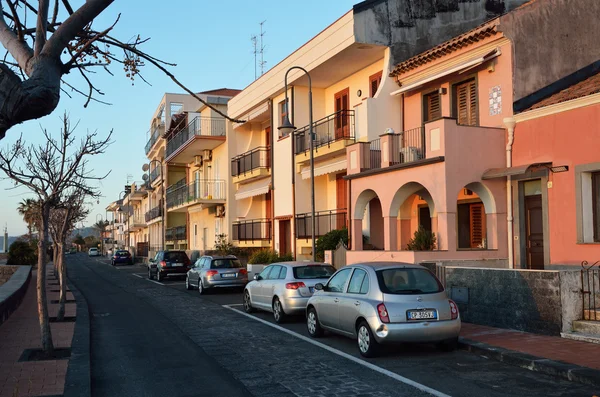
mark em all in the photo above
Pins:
pixel 55 257
pixel 42 303
pixel 62 279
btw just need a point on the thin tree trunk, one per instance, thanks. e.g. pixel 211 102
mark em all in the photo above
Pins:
pixel 55 258
pixel 62 279
pixel 45 331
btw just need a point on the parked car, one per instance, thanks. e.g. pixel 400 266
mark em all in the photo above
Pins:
pixel 284 288
pixel 216 272
pixel 122 256
pixel 384 302
pixel 73 250
pixel 168 264
pixel 93 252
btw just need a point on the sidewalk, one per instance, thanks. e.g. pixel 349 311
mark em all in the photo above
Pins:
pixel 22 331
pixel 569 359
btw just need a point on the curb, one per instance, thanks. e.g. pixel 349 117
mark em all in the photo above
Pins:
pixel 78 379
pixel 561 369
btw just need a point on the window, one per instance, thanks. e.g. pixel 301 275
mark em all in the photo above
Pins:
pixel 407 281
pixel 283 273
pixel 465 102
pixel 359 283
pixel 274 275
pixel 338 281
pixel 283 111
pixel 432 107
pixel 471 226
pixel 226 264
pixel 596 205
pixel 374 83
pixel 265 273
pixel 313 271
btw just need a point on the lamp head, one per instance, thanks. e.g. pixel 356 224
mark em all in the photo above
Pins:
pixel 286 128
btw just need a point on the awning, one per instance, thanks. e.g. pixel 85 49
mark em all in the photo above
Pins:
pixel 259 113
pixel 253 189
pixel 511 171
pixel 463 67
pixel 326 167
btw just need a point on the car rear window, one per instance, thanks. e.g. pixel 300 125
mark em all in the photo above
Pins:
pixel 406 281
pixel 122 253
pixel 226 264
pixel 176 256
pixel 313 271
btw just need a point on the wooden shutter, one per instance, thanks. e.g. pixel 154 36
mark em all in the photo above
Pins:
pixel 477 224
pixel 433 108
pixel 374 82
pixel 466 103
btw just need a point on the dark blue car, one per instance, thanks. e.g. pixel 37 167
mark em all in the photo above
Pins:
pixel 122 256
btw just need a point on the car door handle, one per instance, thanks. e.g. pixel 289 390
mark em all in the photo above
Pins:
pixel 356 303
pixel 336 300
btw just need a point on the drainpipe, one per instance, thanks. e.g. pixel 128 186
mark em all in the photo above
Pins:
pixel 510 123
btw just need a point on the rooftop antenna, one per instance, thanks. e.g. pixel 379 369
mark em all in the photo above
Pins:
pixel 262 48
pixel 254 40
pixel 129 178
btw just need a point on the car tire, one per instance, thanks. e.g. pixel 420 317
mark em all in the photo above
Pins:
pixel 248 302
pixel 201 289
pixel 367 345
pixel 150 274
pixel 187 283
pixel 312 324
pixel 158 277
pixel 113 263
pixel 278 314
pixel 448 345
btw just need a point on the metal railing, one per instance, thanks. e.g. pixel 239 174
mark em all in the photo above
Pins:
pixel 201 189
pixel 590 286
pixel 153 139
pixel 199 126
pixel 154 213
pixel 408 146
pixel 325 221
pixel 154 174
pixel 251 160
pixel 375 154
pixel 335 127
pixel 251 230
pixel 176 233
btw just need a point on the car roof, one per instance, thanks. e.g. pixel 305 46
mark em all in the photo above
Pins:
pixel 220 257
pixel 387 265
pixel 300 263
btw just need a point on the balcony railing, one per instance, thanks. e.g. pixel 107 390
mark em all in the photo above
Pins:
pixel 154 174
pixel 408 146
pixel 201 189
pixel 199 126
pixel 252 230
pixel 335 127
pixel 325 221
pixel 154 213
pixel 375 154
pixel 249 161
pixel 153 139
pixel 135 220
pixel 176 233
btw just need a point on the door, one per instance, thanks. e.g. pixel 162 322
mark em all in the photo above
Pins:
pixel 268 205
pixel 342 125
pixel 285 237
pixel 196 236
pixel 268 285
pixel 477 225
pixel 350 303
pixel 205 239
pixel 534 229
pixel 257 291
pixel 341 198
pixel 425 218
pixel 268 136
pixel 328 309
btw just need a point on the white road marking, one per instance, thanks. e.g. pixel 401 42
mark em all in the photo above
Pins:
pixel 235 304
pixel 137 275
pixel 156 282
pixel 174 284
pixel 152 281
pixel 373 367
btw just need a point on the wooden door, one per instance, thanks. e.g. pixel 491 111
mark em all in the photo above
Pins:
pixel 341 197
pixel 268 204
pixel 466 103
pixel 425 218
pixel 477 215
pixel 534 229
pixel 285 238
pixel 268 136
pixel 342 122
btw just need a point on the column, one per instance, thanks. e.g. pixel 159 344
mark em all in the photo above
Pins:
pixel 357 235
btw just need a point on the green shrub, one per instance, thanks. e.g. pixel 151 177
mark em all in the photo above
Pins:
pixel 330 241
pixel 21 253
pixel 423 240
pixel 267 256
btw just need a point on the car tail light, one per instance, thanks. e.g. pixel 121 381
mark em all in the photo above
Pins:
pixel 383 313
pixel 115 257
pixel 295 285
pixel 211 273
pixel 453 309
pixel 163 263
pixel 243 271
pixel 187 262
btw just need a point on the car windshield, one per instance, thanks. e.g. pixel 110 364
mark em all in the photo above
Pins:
pixel 406 281
pixel 228 263
pixel 176 256
pixel 313 271
pixel 93 249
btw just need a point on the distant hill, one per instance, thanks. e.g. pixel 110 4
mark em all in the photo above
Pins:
pixel 86 231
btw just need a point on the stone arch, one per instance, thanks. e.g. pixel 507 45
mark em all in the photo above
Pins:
pixel 485 195
pixel 362 201
pixel 405 192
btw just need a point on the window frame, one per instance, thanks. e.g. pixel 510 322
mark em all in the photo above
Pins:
pixel 584 202
pixel 596 206
pixel 271 273
pixel 366 278
pixel 375 77
pixel 454 99
pixel 345 285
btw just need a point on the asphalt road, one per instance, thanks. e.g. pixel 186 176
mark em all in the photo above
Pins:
pixel 129 348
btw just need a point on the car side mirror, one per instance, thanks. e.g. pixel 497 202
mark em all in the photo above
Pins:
pixel 319 287
pixel 257 277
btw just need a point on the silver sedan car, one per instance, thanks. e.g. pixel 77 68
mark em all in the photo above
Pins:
pixel 384 302
pixel 284 288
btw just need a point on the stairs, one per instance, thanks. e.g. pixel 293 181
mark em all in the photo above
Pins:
pixel 585 330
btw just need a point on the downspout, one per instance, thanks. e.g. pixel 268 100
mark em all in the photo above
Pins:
pixel 510 123
pixel 272 165
pixel 293 157
pixel 349 215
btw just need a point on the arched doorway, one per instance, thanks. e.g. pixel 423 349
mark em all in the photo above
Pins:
pixel 474 202
pixel 368 230
pixel 412 208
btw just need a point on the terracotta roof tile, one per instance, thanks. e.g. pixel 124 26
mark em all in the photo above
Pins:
pixel 222 91
pixel 586 87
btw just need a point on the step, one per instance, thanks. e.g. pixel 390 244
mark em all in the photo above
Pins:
pixel 587 327
pixel 581 336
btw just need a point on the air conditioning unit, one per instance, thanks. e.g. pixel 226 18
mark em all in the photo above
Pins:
pixel 198 161
pixel 207 155
pixel 220 211
pixel 410 154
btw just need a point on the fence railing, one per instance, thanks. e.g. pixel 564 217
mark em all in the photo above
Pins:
pixel 375 154
pixel 325 221
pixel 251 160
pixel 153 139
pixel 136 220
pixel 408 146
pixel 176 233
pixel 336 126
pixel 154 174
pixel 251 230
pixel 200 189
pixel 199 126
pixel 154 213
pixel 590 286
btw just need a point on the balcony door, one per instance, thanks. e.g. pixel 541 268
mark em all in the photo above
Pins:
pixel 342 124
pixel 341 197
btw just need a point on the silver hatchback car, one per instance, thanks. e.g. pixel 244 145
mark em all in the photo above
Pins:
pixel 216 272
pixel 384 302
pixel 284 288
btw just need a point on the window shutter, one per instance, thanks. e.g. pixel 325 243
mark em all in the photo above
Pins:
pixel 477 225
pixel 466 103
pixel 434 109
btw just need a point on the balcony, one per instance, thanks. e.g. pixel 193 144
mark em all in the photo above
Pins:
pixel 202 133
pixel 252 233
pixel 203 191
pixel 177 233
pixel 135 223
pixel 154 213
pixel 325 221
pixel 331 134
pixel 153 139
pixel 154 174
pixel 251 165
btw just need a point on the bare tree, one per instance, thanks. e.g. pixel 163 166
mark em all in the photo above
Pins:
pixel 50 170
pixel 44 49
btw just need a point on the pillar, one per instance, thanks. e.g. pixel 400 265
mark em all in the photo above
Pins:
pixel 390 233
pixel 446 227
pixel 357 236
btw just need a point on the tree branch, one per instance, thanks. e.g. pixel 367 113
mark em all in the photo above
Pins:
pixel 89 43
pixel 41 27
pixel 54 13
pixel 19 50
pixel 15 16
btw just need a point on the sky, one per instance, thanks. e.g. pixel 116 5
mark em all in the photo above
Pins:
pixel 211 44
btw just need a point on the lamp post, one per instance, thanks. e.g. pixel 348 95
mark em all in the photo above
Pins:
pixel 101 233
pixel 287 128
pixel 146 168
pixel 126 219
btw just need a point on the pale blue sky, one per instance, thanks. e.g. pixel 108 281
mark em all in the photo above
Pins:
pixel 209 42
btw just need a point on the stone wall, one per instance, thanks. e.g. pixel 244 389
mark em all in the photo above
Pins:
pixel 13 291
pixel 6 272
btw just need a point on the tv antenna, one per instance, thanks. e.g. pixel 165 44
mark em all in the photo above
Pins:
pixel 262 49
pixel 259 50
pixel 129 178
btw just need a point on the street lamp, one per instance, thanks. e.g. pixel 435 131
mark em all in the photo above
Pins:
pixel 288 128
pixel 146 168
pixel 126 217
pixel 101 233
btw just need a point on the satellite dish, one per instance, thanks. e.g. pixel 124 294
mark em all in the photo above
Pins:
pixel 145 176
pixel 145 167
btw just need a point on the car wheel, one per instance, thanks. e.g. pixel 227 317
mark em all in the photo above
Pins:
pixel 149 274
pixel 448 345
pixel 187 283
pixel 158 276
pixel 367 345
pixel 247 302
pixel 113 263
pixel 278 313
pixel 201 289
pixel 312 323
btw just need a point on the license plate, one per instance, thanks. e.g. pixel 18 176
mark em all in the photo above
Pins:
pixel 311 289
pixel 228 275
pixel 176 264
pixel 421 314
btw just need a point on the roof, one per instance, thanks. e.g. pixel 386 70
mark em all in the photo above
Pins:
pixel 586 87
pixel 230 92
pixel 481 32
pixel 300 263
pixel 380 265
